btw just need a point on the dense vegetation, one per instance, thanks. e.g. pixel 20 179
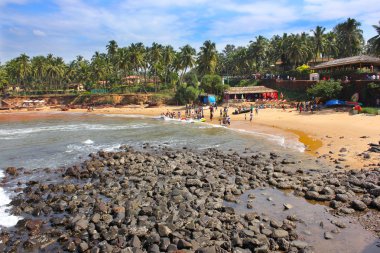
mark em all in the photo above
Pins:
pixel 161 67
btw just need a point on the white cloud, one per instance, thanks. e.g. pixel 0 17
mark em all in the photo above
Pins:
pixel 5 2
pixel 39 33
pixel 81 27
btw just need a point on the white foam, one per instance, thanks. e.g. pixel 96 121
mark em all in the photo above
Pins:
pixel 88 142
pixel 279 140
pixel 6 220
pixel 19 133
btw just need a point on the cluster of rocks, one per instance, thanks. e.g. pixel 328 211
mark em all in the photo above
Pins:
pixel 173 201
pixel 374 147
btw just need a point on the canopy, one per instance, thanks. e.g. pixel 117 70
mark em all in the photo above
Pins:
pixel 333 102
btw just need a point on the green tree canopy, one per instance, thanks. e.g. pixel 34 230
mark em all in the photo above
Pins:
pixel 212 84
pixel 325 89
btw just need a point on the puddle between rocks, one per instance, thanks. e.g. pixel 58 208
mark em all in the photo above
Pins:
pixel 353 239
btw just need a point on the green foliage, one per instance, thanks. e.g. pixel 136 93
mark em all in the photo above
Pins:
pixel 3 78
pixel 186 94
pixel 370 110
pixel 325 89
pixel 247 82
pixel 191 78
pixel 212 84
pixel 303 69
pixel 373 85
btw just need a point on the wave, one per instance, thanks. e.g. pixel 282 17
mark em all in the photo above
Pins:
pixel 89 148
pixel 6 220
pixel 280 140
pixel 16 133
pixel 88 142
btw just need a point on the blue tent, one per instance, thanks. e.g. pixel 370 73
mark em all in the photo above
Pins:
pixel 207 99
pixel 335 102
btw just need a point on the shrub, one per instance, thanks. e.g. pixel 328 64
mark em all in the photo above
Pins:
pixel 325 89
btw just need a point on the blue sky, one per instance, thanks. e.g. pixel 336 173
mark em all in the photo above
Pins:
pixel 69 28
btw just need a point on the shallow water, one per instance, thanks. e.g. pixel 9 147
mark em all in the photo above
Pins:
pixel 352 239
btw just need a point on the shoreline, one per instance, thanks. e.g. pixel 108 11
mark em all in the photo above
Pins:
pixel 338 138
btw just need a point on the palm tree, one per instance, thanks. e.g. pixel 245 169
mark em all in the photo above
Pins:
pixel 207 58
pixel 297 51
pixel 186 59
pixel 258 51
pixel 39 65
pixel 155 59
pixel 331 48
pixel 374 42
pixel 23 68
pixel 319 41
pixel 168 58
pixel 349 38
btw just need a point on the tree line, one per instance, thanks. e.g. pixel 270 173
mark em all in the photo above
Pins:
pixel 163 67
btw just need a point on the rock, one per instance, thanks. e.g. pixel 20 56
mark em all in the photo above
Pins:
pixel 163 230
pixel 358 205
pixel 182 244
pixel 154 248
pixel 275 224
pixel 335 204
pixel 83 246
pixel 172 248
pixel 288 206
pixel 82 224
pixel 328 236
pixel 210 249
pixel 299 244
pixel 339 224
pixel 375 192
pixel 280 233
pixel 311 195
pixel 12 171
pixel 376 203
pixel 343 150
pixel 342 197
pixel 33 226
pixel 283 244
pixel 250 205
pixel 95 218
pixel 135 242
pixel 346 210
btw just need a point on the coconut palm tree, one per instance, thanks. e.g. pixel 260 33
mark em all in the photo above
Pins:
pixel 207 58
pixel 168 59
pixel 349 38
pixel 318 41
pixel 374 42
pixel 186 60
pixel 24 68
pixel 258 51
pixel 331 48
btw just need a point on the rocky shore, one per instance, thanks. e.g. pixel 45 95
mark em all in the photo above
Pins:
pixel 174 201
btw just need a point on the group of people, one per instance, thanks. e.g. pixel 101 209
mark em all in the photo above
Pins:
pixel 306 106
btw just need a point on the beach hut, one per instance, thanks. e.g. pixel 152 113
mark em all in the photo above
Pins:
pixel 250 93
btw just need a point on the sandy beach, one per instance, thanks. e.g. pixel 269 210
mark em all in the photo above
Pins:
pixel 336 137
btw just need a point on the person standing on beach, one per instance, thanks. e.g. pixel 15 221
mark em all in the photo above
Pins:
pixel 251 116
pixel 257 110
pixel 245 116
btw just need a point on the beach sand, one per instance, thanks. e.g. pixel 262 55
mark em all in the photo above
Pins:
pixel 336 137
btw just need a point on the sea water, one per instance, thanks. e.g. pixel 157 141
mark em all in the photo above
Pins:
pixel 42 140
